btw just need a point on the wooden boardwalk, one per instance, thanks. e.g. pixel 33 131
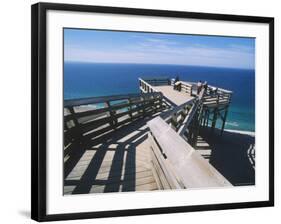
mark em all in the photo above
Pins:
pixel 110 148
pixel 123 163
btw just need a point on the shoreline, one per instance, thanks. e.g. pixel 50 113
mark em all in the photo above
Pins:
pixel 251 133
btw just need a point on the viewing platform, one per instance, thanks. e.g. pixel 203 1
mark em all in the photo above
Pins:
pixel 150 141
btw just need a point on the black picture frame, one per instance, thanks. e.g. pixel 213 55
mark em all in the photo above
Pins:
pixel 39 122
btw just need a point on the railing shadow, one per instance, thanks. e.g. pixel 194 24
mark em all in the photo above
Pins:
pixel 111 166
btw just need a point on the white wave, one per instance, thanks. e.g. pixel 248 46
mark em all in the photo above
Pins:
pixel 235 124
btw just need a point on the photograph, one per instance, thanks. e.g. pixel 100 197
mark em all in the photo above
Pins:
pixel 153 111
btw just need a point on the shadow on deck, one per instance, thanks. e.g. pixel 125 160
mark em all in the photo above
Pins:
pixel 232 154
pixel 121 163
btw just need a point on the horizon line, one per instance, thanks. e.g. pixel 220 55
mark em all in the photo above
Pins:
pixel 138 63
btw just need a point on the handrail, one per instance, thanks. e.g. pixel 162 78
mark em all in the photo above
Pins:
pixel 167 115
pixel 194 103
pixel 82 119
pixel 154 81
pixel 145 87
pixel 221 89
pixel 100 99
pixel 186 87
pixel 217 96
pixel 180 165
pixel 184 113
pixel 196 110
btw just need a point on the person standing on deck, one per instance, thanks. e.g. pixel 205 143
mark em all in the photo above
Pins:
pixel 205 85
pixel 199 86
pixel 177 84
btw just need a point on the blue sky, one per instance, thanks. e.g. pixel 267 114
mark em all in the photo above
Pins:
pixel 152 48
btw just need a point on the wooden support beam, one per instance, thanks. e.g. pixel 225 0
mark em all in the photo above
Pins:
pixel 214 120
pixel 190 169
pixel 77 134
pixel 224 120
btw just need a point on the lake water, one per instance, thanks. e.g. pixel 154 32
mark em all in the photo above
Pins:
pixel 92 79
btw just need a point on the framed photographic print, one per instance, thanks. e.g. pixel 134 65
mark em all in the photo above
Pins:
pixel 138 111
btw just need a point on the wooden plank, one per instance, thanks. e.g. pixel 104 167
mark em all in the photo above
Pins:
pixel 156 176
pixel 188 119
pixel 147 187
pixel 77 174
pixel 96 100
pixel 167 169
pixel 176 97
pixel 159 174
pixel 90 111
pixel 190 166
pixel 140 184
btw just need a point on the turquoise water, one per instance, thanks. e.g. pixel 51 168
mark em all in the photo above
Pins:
pixel 91 79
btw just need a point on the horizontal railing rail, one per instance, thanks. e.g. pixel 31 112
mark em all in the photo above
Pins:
pixel 176 164
pixel 186 87
pixel 196 108
pixel 157 81
pixel 99 99
pixel 217 96
pixel 145 87
pixel 95 116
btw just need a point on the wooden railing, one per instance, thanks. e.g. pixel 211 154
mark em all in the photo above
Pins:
pixel 186 87
pixel 217 96
pixel 185 119
pixel 160 81
pixel 176 164
pixel 146 87
pixel 189 128
pixel 92 117
pixel 173 136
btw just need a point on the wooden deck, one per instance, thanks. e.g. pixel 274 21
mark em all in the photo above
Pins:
pixel 111 148
pixel 121 164
pixel 174 96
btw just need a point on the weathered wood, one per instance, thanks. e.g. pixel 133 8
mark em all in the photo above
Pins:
pixel 175 163
pixel 113 168
pixel 224 120
pixel 119 110
pixel 186 87
pixel 193 170
pixel 167 175
pixel 96 100
pixel 176 98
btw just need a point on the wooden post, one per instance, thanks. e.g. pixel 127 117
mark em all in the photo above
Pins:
pixel 215 114
pixel 205 117
pixel 224 119
pixel 161 103
pixel 214 121
pixel 174 121
pixel 77 132
pixel 130 109
pixel 113 121
pixel 208 117
pixel 143 106
pixel 198 119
